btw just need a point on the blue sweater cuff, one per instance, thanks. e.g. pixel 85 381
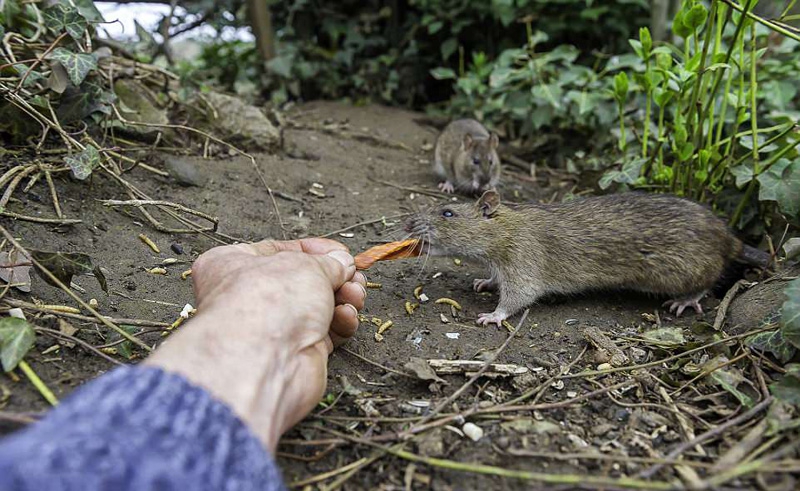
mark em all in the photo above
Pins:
pixel 138 428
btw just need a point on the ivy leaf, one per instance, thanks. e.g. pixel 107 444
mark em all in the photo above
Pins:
pixel 790 319
pixel 442 73
pixel 65 265
pixel 772 342
pixel 83 163
pixel 64 18
pixel 668 337
pixel 787 389
pixel 728 378
pixel 16 338
pixel 743 174
pixel 781 183
pixel 89 10
pixel 78 65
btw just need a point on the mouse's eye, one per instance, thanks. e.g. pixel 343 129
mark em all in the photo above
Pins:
pixel 476 160
pixel 448 213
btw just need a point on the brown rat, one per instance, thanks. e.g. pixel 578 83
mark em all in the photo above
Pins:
pixel 466 157
pixel 656 244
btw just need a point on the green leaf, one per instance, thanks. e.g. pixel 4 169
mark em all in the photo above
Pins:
pixel 435 27
pixel 781 183
pixel 499 76
pixel 729 379
pixel 646 41
pixel 621 86
pixel 787 389
pixel 16 339
pixel 772 342
pixel 448 48
pixel 64 18
pixel 686 152
pixel 84 163
pixel 78 65
pixel 442 73
pixel 667 336
pixel 743 174
pixel 678 27
pixel 695 17
pixel 89 10
pixel 790 319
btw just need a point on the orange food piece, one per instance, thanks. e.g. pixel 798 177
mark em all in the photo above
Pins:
pixel 387 252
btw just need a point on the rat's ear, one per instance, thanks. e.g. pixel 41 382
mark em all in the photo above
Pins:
pixel 494 141
pixel 488 203
pixel 468 141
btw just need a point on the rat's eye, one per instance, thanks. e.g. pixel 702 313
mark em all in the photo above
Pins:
pixel 448 213
pixel 476 160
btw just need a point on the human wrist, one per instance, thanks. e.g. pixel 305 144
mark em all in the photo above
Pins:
pixel 234 367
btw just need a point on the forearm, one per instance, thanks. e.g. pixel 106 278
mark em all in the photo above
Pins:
pixel 138 428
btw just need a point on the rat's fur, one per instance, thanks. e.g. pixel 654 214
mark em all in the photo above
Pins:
pixel 466 157
pixel 657 244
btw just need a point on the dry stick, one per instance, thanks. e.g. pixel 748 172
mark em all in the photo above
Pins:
pixel 576 480
pixel 539 390
pixel 117 320
pixel 67 337
pixel 27 218
pixel 740 470
pixel 38 383
pixel 328 475
pixel 375 363
pixel 72 294
pixel 455 395
pixel 39 60
pixel 722 310
pixel 221 142
pixel 366 222
pixel 20 419
pixel 712 433
pixel 592 373
pixel 502 409
pixel 14 183
pixel 53 193
pixel 140 203
pixel 709 372
pixel 600 456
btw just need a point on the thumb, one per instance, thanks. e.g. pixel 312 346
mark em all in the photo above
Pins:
pixel 339 267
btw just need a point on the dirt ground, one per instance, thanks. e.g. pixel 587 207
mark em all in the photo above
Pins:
pixel 325 183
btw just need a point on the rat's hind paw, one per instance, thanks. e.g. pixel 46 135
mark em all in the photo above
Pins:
pixel 447 187
pixel 483 285
pixel 493 318
pixel 679 305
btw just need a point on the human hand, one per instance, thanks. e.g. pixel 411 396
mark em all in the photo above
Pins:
pixel 268 316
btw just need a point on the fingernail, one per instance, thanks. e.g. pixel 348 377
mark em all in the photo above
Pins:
pixel 363 290
pixel 343 257
pixel 360 278
pixel 355 311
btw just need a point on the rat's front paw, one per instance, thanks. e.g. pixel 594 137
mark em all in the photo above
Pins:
pixel 483 285
pixel 447 187
pixel 493 318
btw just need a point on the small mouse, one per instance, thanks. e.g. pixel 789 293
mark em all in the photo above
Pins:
pixel 466 158
pixel 658 244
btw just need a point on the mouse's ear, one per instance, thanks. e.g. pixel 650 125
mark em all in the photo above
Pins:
pixel 468 141
pixel 494 141
pixel 488 203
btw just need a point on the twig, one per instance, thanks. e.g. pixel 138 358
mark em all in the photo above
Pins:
pixel 19 419
pixel 26 218
pixel 455 395
pixel 53 193
pixel 708 435
pixel 329 474
pixel 539 390
pixel 601 456
pixel 375 363
pixel 80 342
pixel 722 310
pixel 365 222
pixel 592 373
pixel 140 203
pixel 72 294
pixel 37 382
pixel 117 320
pixel 475 468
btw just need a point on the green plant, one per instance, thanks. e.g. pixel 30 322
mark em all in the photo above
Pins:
pixel 726 81
pixel 526 90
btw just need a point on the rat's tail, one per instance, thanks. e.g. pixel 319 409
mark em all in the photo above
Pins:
pixel 754 257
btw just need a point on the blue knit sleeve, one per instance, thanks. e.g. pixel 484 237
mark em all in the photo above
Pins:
pixel 137 429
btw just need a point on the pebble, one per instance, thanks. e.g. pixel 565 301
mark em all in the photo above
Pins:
pixel 176 248
pixel 571 322
pixel 452 335
pixel 93 303
pixel 130 285
pixel 604 366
